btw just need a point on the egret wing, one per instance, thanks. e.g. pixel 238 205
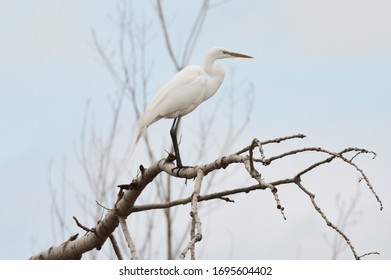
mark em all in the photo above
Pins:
pixel 181 95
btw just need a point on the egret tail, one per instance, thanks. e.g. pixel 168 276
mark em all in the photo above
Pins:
pixel 139 134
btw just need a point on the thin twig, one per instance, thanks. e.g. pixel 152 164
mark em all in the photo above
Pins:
pixel 80 225
pixel 367 254
pixel 195 32
pixel 163 24
pixel 324 217
pixel 275 141
pixel 217 195
pixel 364 176
pixel 333 155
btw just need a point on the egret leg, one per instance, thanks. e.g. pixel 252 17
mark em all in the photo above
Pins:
pixel 173 133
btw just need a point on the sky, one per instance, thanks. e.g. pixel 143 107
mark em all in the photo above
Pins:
pixel 321 68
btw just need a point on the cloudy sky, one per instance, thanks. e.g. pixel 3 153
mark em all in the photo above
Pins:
pixel 321 68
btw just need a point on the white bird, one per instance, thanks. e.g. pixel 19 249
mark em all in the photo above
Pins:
pixel 184 92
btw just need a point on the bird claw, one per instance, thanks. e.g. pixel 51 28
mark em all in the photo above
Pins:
pixel 179 168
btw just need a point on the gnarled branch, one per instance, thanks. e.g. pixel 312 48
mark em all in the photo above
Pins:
pixel 128 194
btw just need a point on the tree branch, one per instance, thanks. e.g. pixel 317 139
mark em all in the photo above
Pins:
pixel 116 248
pixel 128 238
pixel 196 231
pixel 166 35
pixel 128 194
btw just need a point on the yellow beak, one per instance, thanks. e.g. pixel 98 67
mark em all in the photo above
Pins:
pixel 237 54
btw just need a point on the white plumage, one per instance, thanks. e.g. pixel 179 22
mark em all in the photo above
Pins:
pixel 184 92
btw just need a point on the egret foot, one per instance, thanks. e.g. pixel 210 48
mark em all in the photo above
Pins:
pixel 179 168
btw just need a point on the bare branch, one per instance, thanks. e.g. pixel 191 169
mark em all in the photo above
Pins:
pixel 324 217
pixel 367 254
pixel 257 176
pixel 80 225
pixel 275 141
pixel 166 35
pixel 364 177
pixel 196 230
pixel 217 195
pixel 73 249
pixel 128 238
pixel 116 248
pixel 333 155
pixel 195 31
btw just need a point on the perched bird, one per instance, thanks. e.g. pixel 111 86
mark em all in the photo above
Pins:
pixel 184 92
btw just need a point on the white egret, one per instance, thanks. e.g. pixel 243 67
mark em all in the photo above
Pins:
pixel 184 92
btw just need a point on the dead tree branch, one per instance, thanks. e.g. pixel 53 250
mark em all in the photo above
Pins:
pixel 128 195
pixel 116 247
pixel 128 238
pixel 196 231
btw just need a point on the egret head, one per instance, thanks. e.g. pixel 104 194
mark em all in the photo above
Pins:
pixel 219 53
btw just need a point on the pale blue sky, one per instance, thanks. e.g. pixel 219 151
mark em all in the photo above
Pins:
pixel 321 68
